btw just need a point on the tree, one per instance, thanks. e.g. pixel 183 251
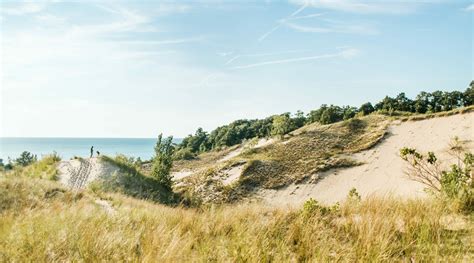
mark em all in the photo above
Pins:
pixel 331 114
pixel 403 103
pixel 348 112
pixel 436 102
pixel 281 124
pixel 26 158
pixel 163 161
pixel 315 115
pixel 366 108
pixel 468 95
pixel 299 119
pixel 422 102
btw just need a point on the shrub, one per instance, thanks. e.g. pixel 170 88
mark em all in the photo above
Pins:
pixel 26 158
pixel 354 195
pixel 163 161
pixel 455 184
pixel 282 124
pixel 312 206
pixel 184 154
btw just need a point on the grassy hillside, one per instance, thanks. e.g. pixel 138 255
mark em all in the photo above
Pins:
pixel 294 158
pixel 42 221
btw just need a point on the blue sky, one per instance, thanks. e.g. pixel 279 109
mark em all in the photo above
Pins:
pixel 138 68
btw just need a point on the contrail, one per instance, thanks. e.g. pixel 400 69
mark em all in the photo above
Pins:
pixel 264 54
pixel 261 38
pixel 345 54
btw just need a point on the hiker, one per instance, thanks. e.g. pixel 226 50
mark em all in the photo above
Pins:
pixel 92 151
pixel 98 153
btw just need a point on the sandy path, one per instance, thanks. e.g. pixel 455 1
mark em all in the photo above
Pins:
pixel 383 172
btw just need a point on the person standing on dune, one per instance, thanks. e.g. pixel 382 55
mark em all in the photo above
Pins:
pixel 92 151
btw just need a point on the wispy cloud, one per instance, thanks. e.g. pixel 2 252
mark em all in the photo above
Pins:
pixel 165 41
pixel 234 58
pixel 334 26
pixel 345 53
pixel 266 34
pixel 469 8
pixel 22 8
pixel 301 17
pixel 361 6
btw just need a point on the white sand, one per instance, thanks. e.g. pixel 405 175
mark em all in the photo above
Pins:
pixel 78 174
pixel 232 175
pixel 383 172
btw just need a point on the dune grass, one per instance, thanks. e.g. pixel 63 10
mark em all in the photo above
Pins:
pixel 38 227
pixel 130 180
pixel 46 168
pixel 419 117
pixel 312 149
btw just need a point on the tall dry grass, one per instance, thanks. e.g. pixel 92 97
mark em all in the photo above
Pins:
pixel 71 227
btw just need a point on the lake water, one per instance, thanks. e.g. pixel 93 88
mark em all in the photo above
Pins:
pixel 70 147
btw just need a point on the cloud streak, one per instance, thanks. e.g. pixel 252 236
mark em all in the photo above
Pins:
pixel 346 53
pixel 264 36
pixel 263 55
pixel 331 26
pixel 361 6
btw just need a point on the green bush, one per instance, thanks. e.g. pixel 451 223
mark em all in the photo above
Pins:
pixel 163 161
pixel 455 184
pixel 184 154
pixel 354 195
pixel 26 158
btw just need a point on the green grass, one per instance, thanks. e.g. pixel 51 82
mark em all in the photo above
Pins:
pixel 35 228
pixel 131 181
pixel 46 168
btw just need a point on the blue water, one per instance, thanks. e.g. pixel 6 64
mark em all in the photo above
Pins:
pixel 70 147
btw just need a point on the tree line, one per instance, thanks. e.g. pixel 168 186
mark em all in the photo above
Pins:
pixel 278 125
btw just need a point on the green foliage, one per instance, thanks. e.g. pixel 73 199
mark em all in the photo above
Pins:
pixel 426 102
pixel 366 108
pixel 282 124
pixel 26 158
pixel 311 207
pixel 124 162
pixel 240 130
pixel 455 184
pixel 44 168
pixel 184 154
pixel 163 161
pixel 354 195
pixel 131 181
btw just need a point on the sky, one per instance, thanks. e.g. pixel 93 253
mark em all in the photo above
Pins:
pixel 140 68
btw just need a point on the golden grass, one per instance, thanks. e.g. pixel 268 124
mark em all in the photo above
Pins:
pixel 306 151
pixel 43 169
pixel 382 230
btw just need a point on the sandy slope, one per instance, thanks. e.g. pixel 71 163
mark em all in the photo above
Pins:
pixel 383 171
pixel 77 173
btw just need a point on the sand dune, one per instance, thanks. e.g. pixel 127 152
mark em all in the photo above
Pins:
pixel 383 171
